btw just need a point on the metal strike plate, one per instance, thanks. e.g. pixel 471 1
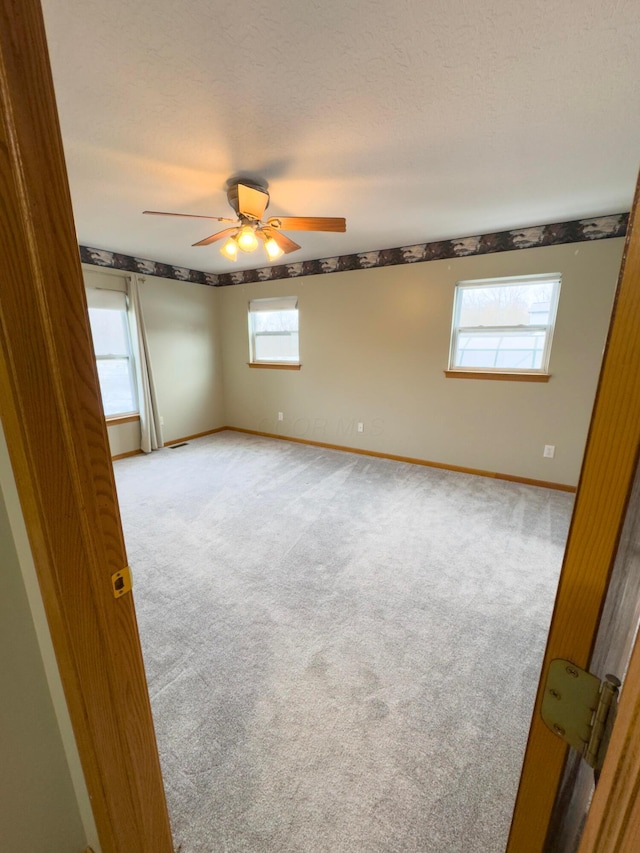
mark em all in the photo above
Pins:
pixel 570 698
pixel 121 582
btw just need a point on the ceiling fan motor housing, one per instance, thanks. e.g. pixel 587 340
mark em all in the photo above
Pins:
pixel 232 195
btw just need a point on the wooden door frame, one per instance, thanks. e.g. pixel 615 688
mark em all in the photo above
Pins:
pixel 613 822
pixel 52 416
pixel 606 480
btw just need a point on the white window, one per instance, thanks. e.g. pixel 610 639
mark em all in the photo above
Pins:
pixel 112 346
pixel 273 330
pixel 504 324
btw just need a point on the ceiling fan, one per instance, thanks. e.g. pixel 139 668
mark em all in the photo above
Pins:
pixel 250 201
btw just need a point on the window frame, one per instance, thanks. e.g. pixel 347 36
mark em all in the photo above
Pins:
pixel 106 296
pixel 531 373
pixel 286 303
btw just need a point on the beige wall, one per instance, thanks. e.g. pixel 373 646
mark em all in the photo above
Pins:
pixel 44 805
pixel 182 325
pixel 374 345
pixel 124 438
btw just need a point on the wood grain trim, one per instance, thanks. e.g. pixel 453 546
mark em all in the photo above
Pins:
pixel 605 484
pixel 503 377
pixel 126 455
pixel 57 438
pixel 545 484
pixel 410 459
pixel 195 435
pixel 274 366
pixel 122 419
pixel 613 822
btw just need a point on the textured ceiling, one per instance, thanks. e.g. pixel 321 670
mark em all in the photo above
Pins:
pixel 417 121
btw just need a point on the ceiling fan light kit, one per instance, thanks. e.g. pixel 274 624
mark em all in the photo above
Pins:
pixel 230 249
pixel 272 249
pixel 249 203
pixel 246 239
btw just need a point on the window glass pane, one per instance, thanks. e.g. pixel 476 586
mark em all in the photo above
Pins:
pixel 506 305
pixel 274 335
pixel 275 321
pixel 109 331
pixel 275 347
pixel 116 387
pixel 514 350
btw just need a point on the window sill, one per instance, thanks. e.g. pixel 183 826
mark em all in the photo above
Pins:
pixel 114 420
pixel 505 377
pixel 274 365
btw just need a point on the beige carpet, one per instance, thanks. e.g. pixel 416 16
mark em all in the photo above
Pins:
pixel 342 652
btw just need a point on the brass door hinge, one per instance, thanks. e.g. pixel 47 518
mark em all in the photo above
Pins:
pixel 121 582
pixel 580 709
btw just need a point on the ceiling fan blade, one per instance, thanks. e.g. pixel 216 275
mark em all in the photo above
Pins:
pixel 282 240
pixel 252 202
pixel 228 232
pixel 308 223
pixel 189 215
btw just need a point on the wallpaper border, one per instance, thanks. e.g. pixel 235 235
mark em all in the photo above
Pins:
pixel 577 231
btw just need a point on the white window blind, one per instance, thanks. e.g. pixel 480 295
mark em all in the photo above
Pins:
pixel 110 300
pixel 277 303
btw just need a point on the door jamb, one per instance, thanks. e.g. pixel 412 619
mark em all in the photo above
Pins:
pixel 613 821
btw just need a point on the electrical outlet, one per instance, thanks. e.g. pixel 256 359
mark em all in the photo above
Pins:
pixel 360 427
pixel 280 416
pixel 549 451
pixel 161 420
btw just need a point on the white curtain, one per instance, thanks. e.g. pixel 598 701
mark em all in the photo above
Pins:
pixel 150 429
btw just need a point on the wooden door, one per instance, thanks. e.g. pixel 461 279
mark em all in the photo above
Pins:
pixel 56 433
pixel 604 490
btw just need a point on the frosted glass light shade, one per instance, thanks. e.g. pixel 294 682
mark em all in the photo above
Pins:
pixel 273 250
pixel 246 239
pixel 230 249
